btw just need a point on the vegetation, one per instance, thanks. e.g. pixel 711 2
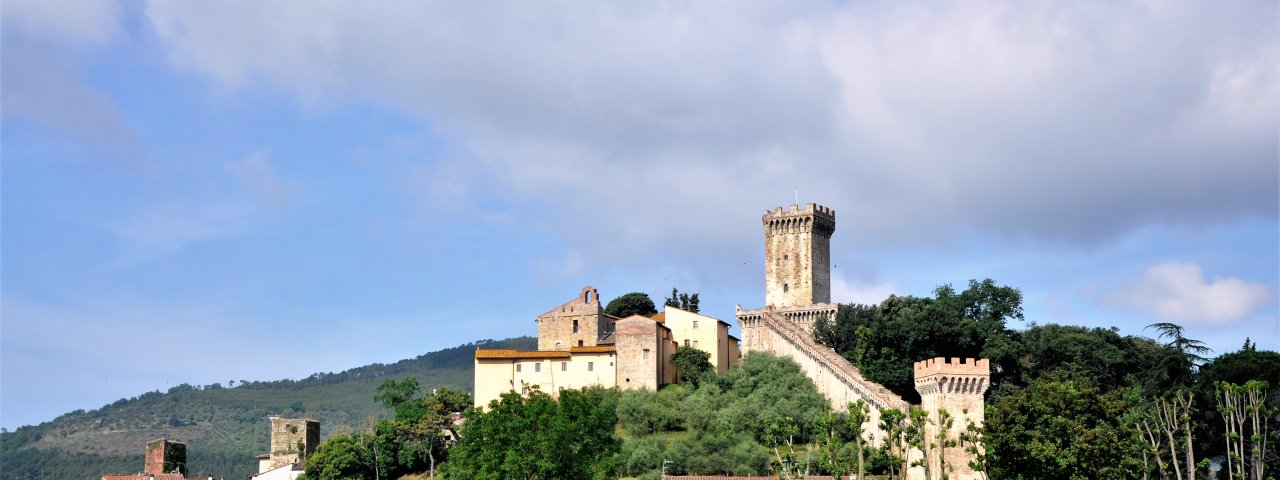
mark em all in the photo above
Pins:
pixel 683 301
pixel 224 427
pixel 634 303
pixel 536 437
pixel 691 364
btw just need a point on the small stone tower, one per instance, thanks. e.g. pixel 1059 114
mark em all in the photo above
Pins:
pixel 293 440
pixel 165 456
pixel 797 255
pixel 954 385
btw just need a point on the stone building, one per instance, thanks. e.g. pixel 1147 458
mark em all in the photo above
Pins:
pixel 164 460
pixel 292 441
pixel 580 346
pixel 798 292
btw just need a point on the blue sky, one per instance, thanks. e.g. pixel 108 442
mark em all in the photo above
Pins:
pixel 201 192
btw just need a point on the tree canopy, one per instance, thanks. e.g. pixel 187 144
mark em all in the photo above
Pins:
pixel 691 364
pixel 634 303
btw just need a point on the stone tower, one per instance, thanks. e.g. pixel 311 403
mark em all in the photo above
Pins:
pixel 797 255
pixel 293 440
pixel 954 385
pixel 165 456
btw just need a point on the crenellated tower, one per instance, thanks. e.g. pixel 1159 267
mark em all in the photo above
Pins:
pixel 956 386
pixel 797 255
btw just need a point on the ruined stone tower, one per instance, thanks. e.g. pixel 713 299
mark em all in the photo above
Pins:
pixel 165 456
pixel 292 440
pixel 797 254
pixel 956 386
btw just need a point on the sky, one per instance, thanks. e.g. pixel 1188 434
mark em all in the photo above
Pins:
pixel 201 192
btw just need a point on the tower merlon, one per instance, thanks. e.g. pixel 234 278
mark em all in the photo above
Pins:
pixel 952 366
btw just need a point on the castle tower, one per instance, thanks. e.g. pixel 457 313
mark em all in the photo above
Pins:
pixel 292 440
pixel 165 456
pixel 956 386
pixel 797 255
pixel 580 322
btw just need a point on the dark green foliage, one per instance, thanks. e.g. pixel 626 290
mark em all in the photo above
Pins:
pixel 691 364
pixel 634 303
pixel 884 341
pixel 721 427
pixel 341 458
pixel 232 422
pixel 537 437
pixel 1062 428
pixel 683 301
pixel 1238 368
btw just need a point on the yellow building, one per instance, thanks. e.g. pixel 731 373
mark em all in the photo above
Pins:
pixel 580 346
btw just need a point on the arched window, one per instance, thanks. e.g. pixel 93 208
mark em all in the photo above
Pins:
pixel 586 297
pixel 786 288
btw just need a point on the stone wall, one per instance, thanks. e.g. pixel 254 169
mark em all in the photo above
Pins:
pixel 837 379
pixel 293 440
pixel 640 345
pixel 798 255
pixel 576 323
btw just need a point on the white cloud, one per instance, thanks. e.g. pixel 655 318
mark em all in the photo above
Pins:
pixel 1179 292
pixel 1069 122
pixel 842 291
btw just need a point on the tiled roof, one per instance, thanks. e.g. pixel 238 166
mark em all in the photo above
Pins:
pixel 595 349
pixel 513 354
pixel 660 317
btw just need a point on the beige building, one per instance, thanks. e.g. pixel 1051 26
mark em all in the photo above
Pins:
pixel 580 346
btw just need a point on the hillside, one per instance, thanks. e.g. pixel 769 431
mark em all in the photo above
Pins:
pixel 225 427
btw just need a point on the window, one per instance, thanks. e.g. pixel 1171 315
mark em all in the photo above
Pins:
pixel 579 343
pixel 517 367
pixel 686 342
pixel 786 287
pixel 786 257
pixel 564 366
pixel 695 344
pixel 537 367
pixel 524 390
pixel 645 354
pixel 575 326
pixel 695 324
pixel 591 366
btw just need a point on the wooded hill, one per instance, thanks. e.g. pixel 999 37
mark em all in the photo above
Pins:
pixel 225 426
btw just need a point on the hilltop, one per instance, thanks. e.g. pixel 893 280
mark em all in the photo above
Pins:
pixel 225 427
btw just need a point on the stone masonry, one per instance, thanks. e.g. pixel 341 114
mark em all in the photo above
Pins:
pixel 576 323
pixel 797 292
pixel 293 440
pixel 165 456
pixel 797 255
pixel 954 385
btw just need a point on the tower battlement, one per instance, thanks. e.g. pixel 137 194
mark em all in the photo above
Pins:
pixel 952 366
pixel 812 218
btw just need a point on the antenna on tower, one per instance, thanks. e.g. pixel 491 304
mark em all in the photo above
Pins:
pixel 797 195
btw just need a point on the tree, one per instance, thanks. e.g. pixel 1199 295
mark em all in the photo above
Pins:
pixel 682 301
pixel 538 437
pixel 340 458
pixel 1246 418
pixel 859 413
pixel 634 303
pixel 1184 355
pixel 691 364
pixel 1062 428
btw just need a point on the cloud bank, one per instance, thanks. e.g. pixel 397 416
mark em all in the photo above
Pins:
pixel 1179 292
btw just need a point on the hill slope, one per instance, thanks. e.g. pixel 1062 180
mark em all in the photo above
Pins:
pixel 225 428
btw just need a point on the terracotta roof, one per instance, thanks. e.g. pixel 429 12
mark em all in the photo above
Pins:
pixel 660 317
pixel 595 349
pixel 513 354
